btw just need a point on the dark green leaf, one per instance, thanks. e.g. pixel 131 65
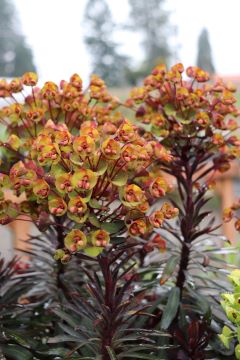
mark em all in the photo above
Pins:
pixel 113 227
pixel 69 319
pixel 111 353
pixel 203 304
pixel 92 218
pixel 171 308
pixel 140 356
pixel 62 338
pixel 169 268
pixel 15 352
pixel 95 204
pixel 16 337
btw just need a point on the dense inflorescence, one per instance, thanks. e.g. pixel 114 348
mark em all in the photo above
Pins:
pixel 80 164
pixel 181 108
pixel 195 119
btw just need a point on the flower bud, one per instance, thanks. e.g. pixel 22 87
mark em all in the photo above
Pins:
pixel 84 179
pixel 157 218
pixel 169 211
pixel 159 242
pixel 133 195
pixel 75 240
pixel 63 183
pixel 77 209
pixel 100 238
pixel 158 187
pixel 227 214
pixel 30 79
pixel 237 225
pixel 111 149
pixel 84 145
pixel 57 206
pixel 49 90
pixel 137 227
pixel 41 188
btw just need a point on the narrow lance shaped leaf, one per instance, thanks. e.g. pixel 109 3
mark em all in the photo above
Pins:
pixel 16 352
pixel 202 304
pixel 169 269
pixel 113 227
pixel 171 308
pixel 111 353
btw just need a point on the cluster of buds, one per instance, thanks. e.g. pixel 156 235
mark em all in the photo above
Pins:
pixel 191 111
pixel 80 164
pixel 166 212
pixel 157 242
pixel 140 224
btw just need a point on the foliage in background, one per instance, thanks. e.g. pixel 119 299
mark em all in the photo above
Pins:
pixel 230 304
pixel 231 300
pixel 15 55
pixel 151 20
pixel 107 62
pixel 16 332
pixel 204 55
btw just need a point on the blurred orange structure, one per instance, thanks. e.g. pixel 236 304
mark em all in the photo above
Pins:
pixel 225 188
pixel 19 228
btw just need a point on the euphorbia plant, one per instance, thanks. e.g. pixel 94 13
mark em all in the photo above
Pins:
pixel 93 184
pixel 196 120
pixel 80 164
pixel 85 171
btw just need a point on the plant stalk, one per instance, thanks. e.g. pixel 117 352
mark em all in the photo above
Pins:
pixel 186 224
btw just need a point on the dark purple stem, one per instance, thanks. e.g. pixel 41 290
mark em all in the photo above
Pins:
pixel 186 223
pixel 108 330
pixel 60 245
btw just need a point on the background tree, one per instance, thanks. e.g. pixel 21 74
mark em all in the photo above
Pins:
pixel 106 61
pixel 15 55
pixel 152 21
pixel 204 56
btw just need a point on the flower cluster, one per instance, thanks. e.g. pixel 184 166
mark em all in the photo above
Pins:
pixel 80 164
pixel 184 109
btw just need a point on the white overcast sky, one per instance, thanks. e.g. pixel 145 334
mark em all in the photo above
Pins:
pixel 54 29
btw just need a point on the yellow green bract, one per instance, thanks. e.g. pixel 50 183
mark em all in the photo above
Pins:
pixel 231 305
